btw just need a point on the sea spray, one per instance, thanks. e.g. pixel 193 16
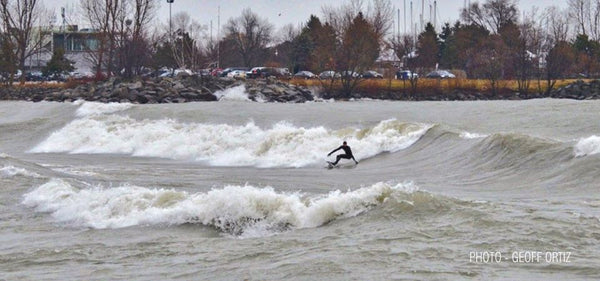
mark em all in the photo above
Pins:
pixel 237 93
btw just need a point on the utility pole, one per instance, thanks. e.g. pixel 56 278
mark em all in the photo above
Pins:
pixel 398 23
pixel 219 36
pixel 170 24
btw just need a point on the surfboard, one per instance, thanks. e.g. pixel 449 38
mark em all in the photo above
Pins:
pixel 330 165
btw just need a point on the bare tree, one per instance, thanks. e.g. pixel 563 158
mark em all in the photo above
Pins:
pixel 19 18
pixel 122 31
pixel 492 15
pixel 103 17
pixel 405 49
pixel 379 13
pixel 579 10
pixel 489 62
pixel 342 16
pixel 556 22
pixel 187 47
pixel 560 61
pixel 287 34
pixel 381 16
pixel 586 15
pixel 251 34
pixel 134 46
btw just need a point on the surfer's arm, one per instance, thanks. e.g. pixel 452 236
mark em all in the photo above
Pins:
pixel 334 150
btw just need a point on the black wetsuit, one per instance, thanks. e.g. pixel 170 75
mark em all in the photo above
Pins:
pixel 347 154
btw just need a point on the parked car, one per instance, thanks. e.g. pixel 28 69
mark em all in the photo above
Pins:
pixel 236 73
pixel 34 76
pixel 329 74
pixel 255 72
pixel 305 75
pixel 226 71
pixel 80 75
pixel 264 72
pixel 216 72
pixel 406 75
pixel 349 74
pixel 441 74
pixel 371 74
pixel 282 72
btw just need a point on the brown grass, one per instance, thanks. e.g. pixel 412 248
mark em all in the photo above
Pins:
pixel 54 85
pixel 437 85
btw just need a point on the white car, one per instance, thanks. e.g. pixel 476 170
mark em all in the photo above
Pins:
pixel 237 74
pixel 440 74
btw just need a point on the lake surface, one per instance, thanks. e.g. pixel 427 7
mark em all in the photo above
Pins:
pixel 237 190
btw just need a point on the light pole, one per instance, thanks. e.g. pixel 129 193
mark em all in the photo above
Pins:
pixel 170 25
pixel 170 30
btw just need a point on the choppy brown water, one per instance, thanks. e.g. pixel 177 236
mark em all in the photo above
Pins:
pixel 239 190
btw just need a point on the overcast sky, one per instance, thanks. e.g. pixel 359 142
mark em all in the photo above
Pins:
pixel 296 12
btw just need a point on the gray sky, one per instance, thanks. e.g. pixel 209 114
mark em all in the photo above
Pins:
pixel 296 12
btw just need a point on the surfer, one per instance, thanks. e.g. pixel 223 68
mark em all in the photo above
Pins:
pixel 347 154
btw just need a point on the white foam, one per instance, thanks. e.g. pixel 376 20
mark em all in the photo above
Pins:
pixel 283 145
pixel 11 171
pixel 239 210
pixel 237 93
pixel 95 108
pixel 468 135
pixel 587 146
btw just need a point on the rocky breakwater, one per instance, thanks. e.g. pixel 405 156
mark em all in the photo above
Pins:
pixel 579 90
pixel 273 90
pixel 157 90
pixel 180 89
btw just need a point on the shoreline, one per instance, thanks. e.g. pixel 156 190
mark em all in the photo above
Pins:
pixel 183 89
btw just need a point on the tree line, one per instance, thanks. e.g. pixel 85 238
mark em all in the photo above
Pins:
pixel 492 40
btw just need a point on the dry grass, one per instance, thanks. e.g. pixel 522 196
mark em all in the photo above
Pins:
pixel 437 85
pixel 46 85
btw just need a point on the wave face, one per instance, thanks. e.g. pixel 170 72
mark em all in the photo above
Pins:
pixel 236 210
pixel 283 145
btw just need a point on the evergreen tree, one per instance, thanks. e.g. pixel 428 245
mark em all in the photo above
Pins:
pixel 324 52
pixel 304 44
pixel 427 47
pixel 358 52
pixel 58 64
pixel 8 62
pixel 448 46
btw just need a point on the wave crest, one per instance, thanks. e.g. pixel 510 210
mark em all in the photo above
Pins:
pixel 236 210
pixel 88 108
pixel 587 146
pixel 283 145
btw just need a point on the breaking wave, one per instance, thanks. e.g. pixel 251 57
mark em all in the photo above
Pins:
pixel 237 93
pixel 282 145
pixel 469 135
pixel 96 108
pixel 236 210
pixel 587 146
pixel 12 171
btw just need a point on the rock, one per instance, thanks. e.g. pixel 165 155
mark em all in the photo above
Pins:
pixel 141 99
pixel 135 86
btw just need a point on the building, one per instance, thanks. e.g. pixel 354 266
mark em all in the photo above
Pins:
pixel 77 43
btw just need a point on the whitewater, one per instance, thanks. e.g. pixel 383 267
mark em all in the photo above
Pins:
pixel 240 190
